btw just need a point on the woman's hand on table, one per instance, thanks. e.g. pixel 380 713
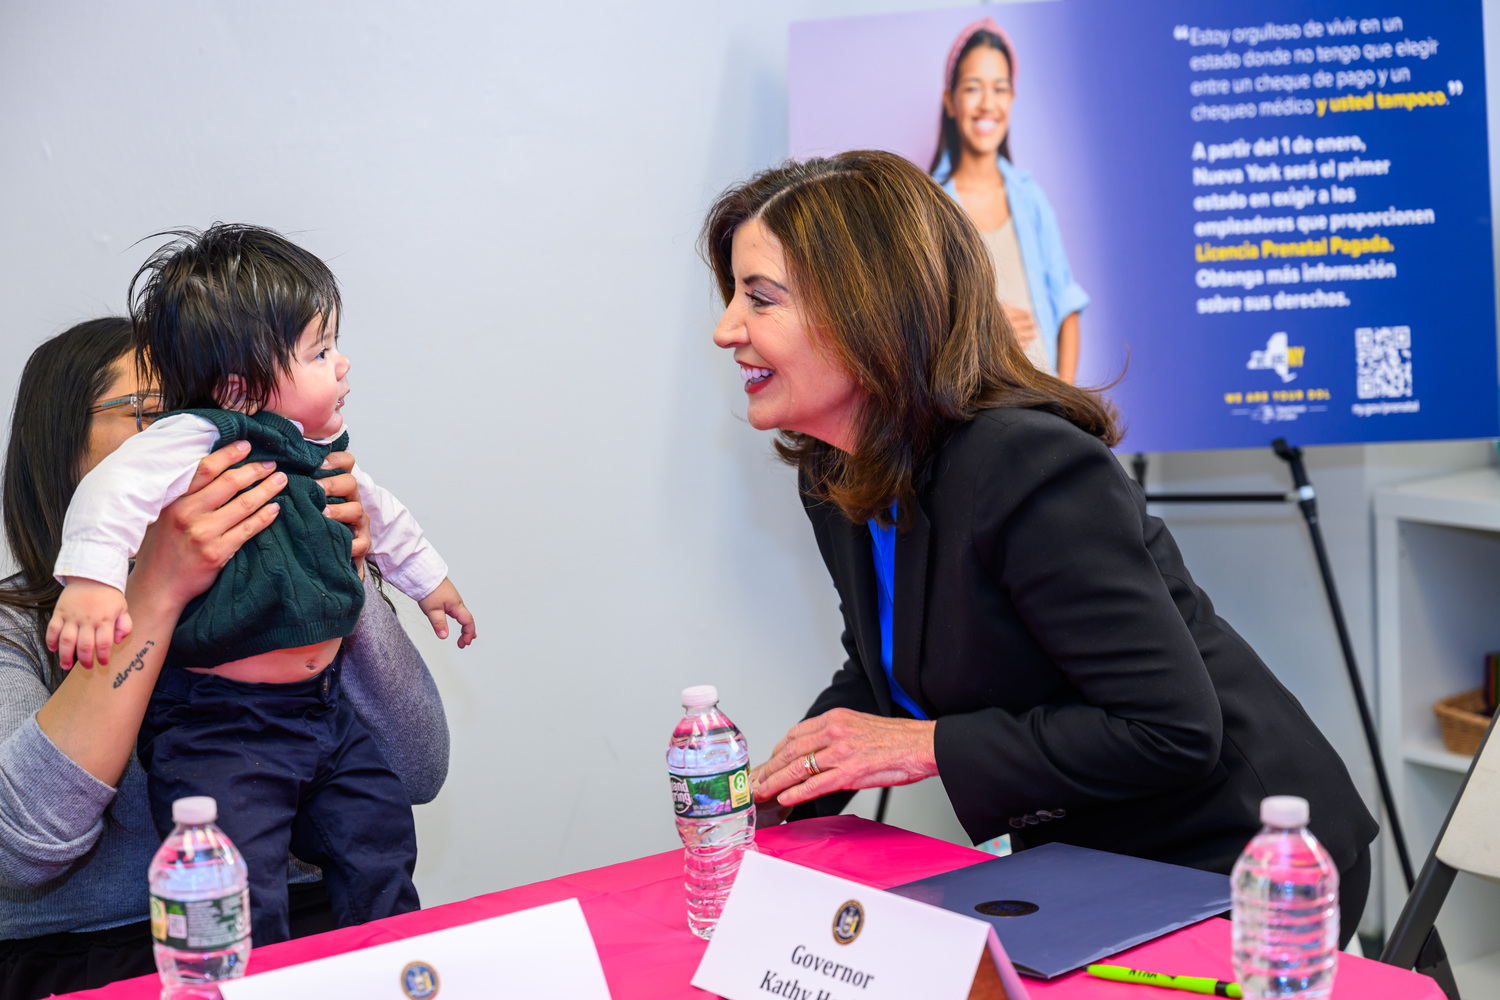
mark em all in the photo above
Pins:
pixel 849 751
pixel 351 512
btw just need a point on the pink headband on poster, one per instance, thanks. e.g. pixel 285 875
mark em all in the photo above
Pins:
pixel 987 24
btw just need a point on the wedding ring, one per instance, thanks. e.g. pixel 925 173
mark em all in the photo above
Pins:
pixel 811 763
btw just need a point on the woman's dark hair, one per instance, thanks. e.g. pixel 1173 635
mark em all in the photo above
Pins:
pixel 897 286
pixel 231 300
pixel 49 434
pixel 950 143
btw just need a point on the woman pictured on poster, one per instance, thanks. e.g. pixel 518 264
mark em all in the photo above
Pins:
pixel 972 162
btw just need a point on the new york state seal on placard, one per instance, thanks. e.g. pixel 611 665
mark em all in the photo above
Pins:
pixel 848 922
pixel 419 981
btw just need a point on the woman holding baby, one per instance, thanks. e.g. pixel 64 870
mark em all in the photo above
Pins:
pixel 78 833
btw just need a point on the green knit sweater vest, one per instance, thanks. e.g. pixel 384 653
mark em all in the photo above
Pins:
pixel 294 584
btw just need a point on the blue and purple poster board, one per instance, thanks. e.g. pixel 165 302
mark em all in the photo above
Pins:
pixel 1280 210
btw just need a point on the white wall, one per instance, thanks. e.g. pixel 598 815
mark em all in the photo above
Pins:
pixel 510 197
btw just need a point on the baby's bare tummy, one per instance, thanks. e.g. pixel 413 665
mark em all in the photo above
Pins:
pixel 279 666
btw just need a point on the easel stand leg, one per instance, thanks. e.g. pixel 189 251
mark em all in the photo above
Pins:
pixel 1307 501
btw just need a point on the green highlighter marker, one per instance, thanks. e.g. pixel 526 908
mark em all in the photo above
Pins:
pixel 1193 984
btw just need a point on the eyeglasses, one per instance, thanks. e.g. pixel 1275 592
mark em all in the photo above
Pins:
pixel 145 405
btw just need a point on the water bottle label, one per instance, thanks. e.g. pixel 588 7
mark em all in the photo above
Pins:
pixel 202 924
pixel 721 794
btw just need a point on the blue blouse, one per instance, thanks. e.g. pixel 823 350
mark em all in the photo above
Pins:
pixel 1054 294
pixel 883 548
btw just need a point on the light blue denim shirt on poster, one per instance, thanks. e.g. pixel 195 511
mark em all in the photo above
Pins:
pixel 1054 293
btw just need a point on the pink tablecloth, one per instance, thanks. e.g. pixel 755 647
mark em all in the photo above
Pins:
pixel 635 911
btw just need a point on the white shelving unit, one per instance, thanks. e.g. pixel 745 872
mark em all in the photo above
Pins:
pixel 1437 581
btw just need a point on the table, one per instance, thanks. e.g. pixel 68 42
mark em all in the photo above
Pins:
pixel 636 913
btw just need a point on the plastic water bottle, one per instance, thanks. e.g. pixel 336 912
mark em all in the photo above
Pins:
pixel 1285 907
pixel 709 765
pixel 200 904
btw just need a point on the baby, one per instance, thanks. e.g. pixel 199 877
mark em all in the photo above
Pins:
pixel 238 326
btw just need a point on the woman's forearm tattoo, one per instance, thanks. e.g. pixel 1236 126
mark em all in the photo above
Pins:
pixel 136 663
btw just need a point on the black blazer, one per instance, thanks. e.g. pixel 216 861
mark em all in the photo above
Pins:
pixel 1084 689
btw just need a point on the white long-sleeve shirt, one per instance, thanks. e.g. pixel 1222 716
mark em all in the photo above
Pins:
pixel 125 493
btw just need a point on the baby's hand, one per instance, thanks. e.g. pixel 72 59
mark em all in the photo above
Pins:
pixel 444 603
pixel 90 618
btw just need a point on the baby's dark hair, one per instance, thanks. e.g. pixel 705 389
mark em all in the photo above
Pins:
pixel 230 300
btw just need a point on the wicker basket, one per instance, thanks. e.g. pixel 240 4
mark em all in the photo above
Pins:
pixel 1463 722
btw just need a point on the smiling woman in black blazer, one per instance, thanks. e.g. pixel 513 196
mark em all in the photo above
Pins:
pixel 1015 622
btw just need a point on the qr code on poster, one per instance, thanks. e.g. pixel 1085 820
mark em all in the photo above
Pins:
pixel 1383 355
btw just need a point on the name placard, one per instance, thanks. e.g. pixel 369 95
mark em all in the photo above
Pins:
pixel 543 953
pixel 800 934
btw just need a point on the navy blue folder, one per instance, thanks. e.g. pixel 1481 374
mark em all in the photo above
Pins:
pixel 1057 908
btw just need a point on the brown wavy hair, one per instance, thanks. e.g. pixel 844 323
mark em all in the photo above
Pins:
pixel 897 284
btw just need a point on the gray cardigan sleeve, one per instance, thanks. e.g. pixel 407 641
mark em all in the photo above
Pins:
pixel 51 809
pixel 393 693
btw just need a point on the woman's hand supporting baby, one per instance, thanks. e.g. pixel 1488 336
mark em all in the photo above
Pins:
pixel 220 511
pixel 351 512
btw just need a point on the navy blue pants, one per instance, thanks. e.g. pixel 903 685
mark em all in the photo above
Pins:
pixel 294 771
